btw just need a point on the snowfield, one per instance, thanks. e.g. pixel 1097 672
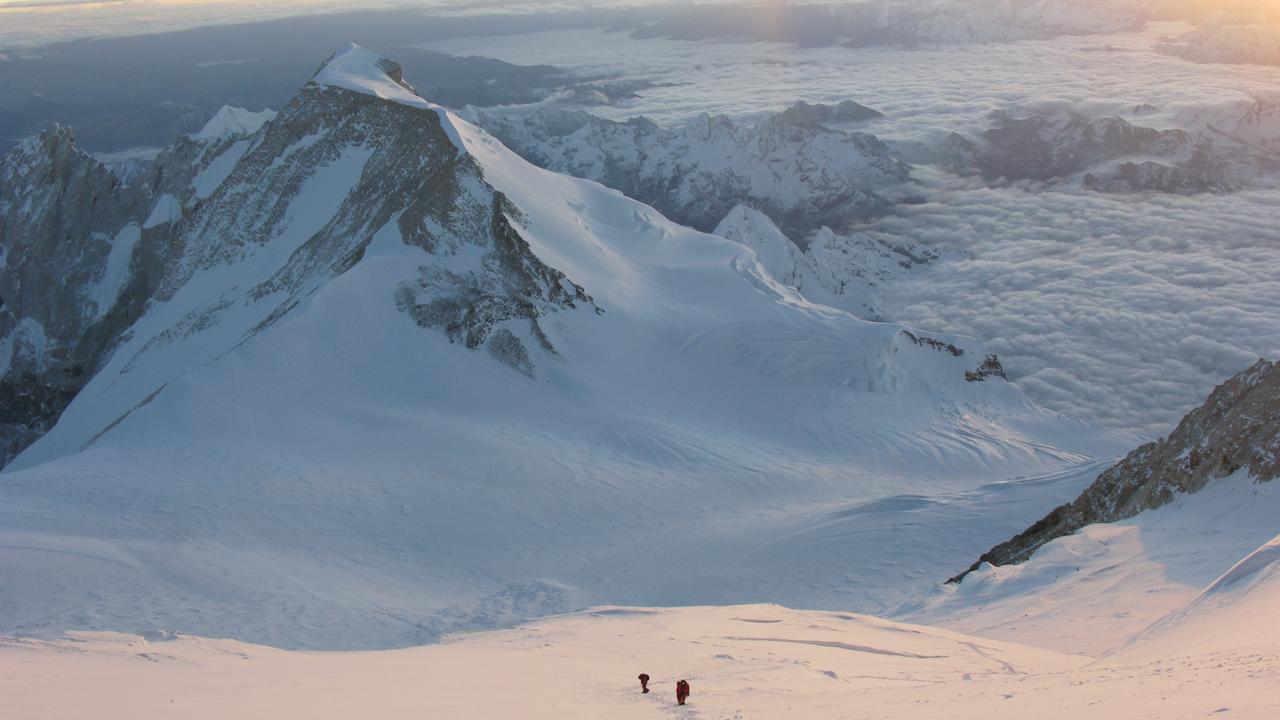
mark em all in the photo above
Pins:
pixel 742 662
pixel 1095 590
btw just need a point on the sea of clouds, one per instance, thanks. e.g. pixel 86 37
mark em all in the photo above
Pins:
pixel 1124 309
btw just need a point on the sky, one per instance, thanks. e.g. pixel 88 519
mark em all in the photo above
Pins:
pixel 30 23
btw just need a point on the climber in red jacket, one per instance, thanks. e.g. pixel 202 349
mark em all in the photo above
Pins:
pixel 682 691
pixel 644 682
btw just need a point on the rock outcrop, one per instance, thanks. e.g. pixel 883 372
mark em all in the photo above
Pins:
pixel 69 231
pixel 1109 154
pixel 1238 428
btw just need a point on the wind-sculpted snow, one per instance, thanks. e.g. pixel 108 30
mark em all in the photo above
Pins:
pixel 803 167
pixel 392 374
pixel 1230 617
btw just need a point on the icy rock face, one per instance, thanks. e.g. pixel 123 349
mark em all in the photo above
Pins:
pixel 1113 155
pixel 84 253
pixel 1237 428
pixel 69 230
pixel 798 166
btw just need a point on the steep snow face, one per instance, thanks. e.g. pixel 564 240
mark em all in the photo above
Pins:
pixel 393 360
pixel 842 271
pixel 1143 539
pixel 300 206
pixel 804 167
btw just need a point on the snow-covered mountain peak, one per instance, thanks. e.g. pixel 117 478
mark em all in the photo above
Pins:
pixel 231 120
pixel 777 254
pixel 364 71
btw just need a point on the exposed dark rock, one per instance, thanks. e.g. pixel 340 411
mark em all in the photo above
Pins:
pixel 61 213
pixel 803 113
pixel 935 344
pixel 988 368
pixel 1113 155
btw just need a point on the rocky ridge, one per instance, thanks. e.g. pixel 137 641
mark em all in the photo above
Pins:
pixel 803 167
pixel 1237 429
pixel 1110 154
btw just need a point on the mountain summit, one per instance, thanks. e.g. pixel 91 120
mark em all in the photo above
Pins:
pixel 369 349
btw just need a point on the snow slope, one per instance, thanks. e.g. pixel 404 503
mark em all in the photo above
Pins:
pixel 287 447
pixel 1095 590
pixel 1234 615
pixel 742 662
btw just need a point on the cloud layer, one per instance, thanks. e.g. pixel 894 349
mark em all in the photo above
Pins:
pixel 1124 309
